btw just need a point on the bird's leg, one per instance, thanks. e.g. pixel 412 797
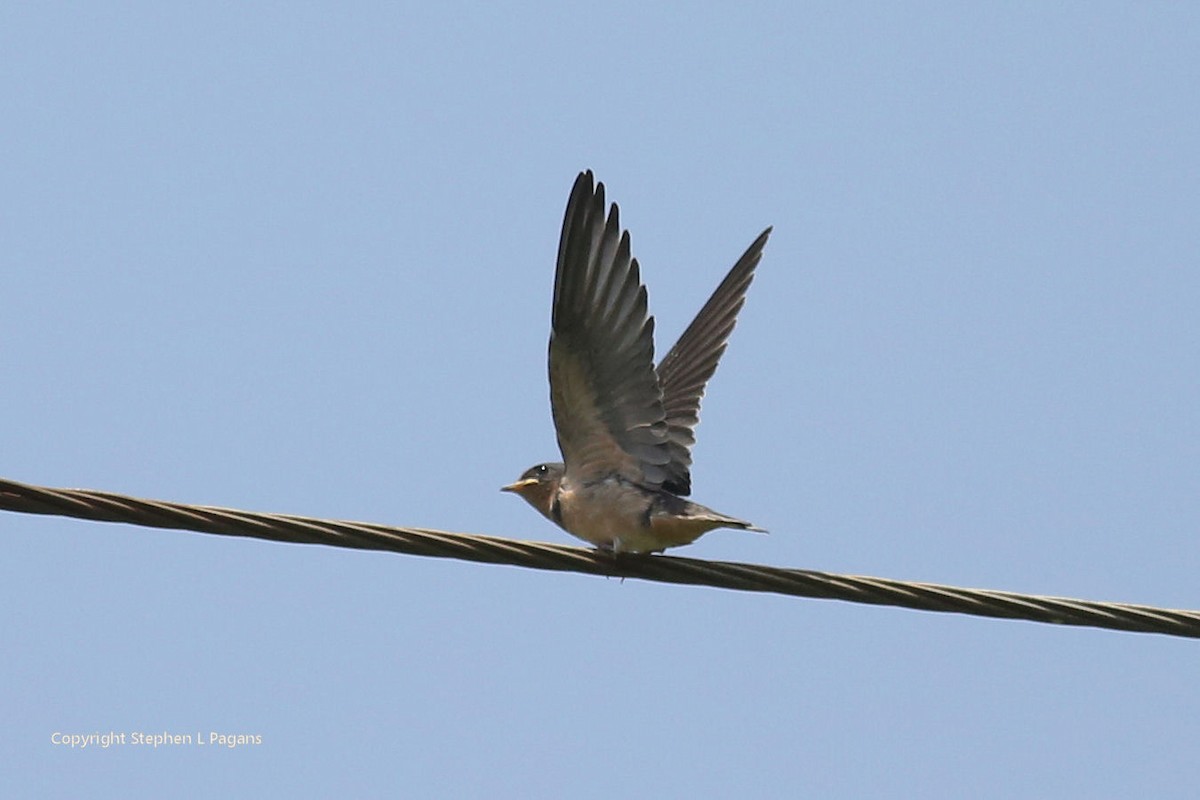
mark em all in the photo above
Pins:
pixel 612 555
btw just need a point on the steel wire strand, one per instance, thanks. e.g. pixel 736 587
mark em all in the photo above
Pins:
pixel 108 507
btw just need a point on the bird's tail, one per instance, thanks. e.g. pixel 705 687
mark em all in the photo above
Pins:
pixel 742 525
pixel 726 521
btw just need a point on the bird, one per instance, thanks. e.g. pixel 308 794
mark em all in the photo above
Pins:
pixel 625 428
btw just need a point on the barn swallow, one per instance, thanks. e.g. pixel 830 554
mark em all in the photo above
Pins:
pixel 625 428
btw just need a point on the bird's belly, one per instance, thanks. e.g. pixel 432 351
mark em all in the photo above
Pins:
pixel 615 515
pixel 607 514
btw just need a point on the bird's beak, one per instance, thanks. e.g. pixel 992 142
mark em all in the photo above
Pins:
pixel 519 485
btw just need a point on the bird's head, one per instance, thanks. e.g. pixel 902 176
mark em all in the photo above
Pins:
pixel 538 485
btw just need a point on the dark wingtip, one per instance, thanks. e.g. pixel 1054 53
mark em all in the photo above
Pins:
pixel 761 241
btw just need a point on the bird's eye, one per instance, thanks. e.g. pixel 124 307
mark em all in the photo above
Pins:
pixel 542 469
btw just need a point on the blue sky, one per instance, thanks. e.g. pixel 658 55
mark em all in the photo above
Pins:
pixel 298 258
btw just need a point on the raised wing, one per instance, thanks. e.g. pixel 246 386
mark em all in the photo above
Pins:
pixel 686 369
pixel 604 393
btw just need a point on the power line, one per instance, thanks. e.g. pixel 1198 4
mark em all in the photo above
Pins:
pixel 107 507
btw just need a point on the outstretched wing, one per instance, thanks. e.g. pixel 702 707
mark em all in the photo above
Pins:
pixel 685 370
pixel 604 393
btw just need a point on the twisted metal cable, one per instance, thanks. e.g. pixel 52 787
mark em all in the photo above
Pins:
pixel 107 507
